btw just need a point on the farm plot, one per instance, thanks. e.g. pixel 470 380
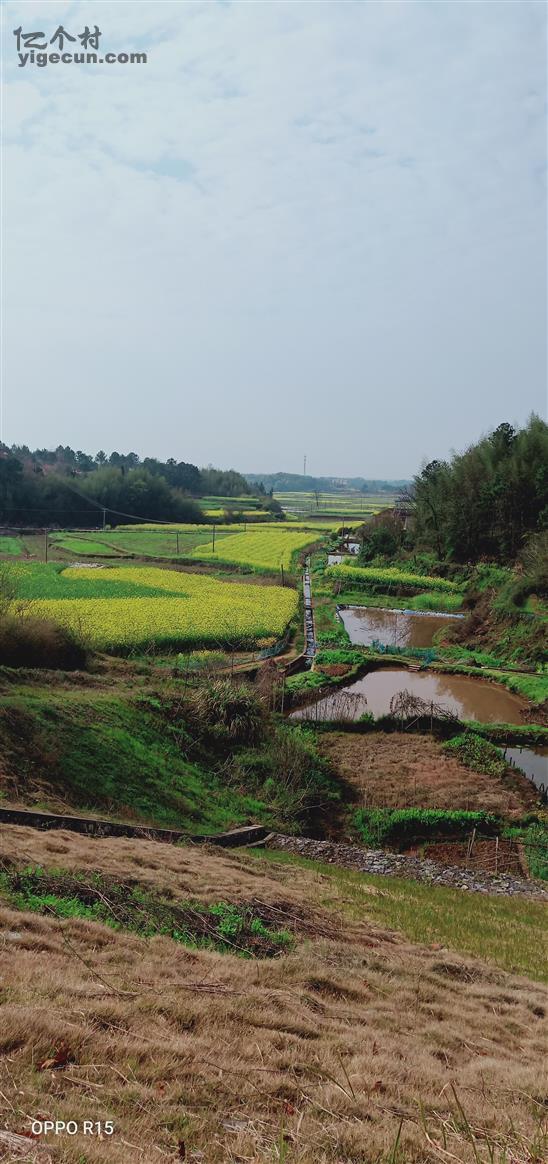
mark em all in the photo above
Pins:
pixel 388 576
pixel 166 541
pixel 346 504
pixel 10 545
pixel 260 549
pixel 126 608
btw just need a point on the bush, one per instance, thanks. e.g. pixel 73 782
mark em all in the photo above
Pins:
pixel 382 540
pixel 338 655
pixel 288 774
pixel 222 708
pixel 476 753
pixel 304 681
pixel 403 826
pixel 39 642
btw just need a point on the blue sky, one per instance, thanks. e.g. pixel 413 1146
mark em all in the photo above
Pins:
pixel 300 227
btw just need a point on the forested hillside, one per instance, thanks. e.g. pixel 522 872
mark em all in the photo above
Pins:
pixel 486 501
pixel 64 487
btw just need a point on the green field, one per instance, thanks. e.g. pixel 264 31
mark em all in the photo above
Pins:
pixel 151 541
pixel 266 546
pixel 350 504
pixel 127 608
pixel 10 545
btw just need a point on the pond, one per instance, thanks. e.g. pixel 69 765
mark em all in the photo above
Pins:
pixel 532 761
pixel 394 628
pixel 465 697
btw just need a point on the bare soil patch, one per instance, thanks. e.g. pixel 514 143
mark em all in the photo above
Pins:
pixel 485 855
pixel 401 770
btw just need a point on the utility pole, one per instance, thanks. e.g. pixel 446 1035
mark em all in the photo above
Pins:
pixel 46 544
pixel 282 572
pixel 177 536
pixel 104 518
pixel 213 531
pixel 304 466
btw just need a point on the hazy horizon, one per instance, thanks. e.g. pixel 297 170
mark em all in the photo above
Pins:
pixel 298 228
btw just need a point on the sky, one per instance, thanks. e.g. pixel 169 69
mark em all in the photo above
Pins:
pixel 300 228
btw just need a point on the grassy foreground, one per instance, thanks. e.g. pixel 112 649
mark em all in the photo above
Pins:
pixel 352 1044
pixel 507 931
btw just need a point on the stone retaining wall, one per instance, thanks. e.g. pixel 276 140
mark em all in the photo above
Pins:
pixel 398 865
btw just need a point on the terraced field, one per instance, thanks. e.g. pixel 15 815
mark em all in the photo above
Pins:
pixel 165 541
pixel 262 549
pixel 388 576
pixel 339 504
pixel 127 608
pixel 263 545
pixel 10 545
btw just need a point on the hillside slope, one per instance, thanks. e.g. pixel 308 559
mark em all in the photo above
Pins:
pixel 352 1045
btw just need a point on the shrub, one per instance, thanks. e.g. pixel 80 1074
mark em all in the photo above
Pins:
pixel 476 753
pixel 223 708
pixel 304 681
pixel 404 826
pixel 288 774
pixel 39 642
pixel 337 655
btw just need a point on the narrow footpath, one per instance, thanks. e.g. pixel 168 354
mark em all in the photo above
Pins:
pixel 309 632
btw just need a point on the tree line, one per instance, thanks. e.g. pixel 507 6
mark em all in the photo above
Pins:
pixel 487 501
pixel 64 487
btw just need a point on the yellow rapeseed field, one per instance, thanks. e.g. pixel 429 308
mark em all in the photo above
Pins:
pixel 259 547
pixel 196 610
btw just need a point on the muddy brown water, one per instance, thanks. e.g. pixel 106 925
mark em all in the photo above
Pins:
pixel 392 628
pixel 532 761
pixel 466 698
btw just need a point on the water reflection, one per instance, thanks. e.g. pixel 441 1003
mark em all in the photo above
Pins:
pixel 460 695
pixel 394 628
pixel 532 761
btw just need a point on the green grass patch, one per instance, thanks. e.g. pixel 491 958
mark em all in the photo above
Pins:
pixel 116 757
pixel 508 932
pixel 390 576
pixel 241 929
pixel 203 758
pixel 11 546
pixel 476 753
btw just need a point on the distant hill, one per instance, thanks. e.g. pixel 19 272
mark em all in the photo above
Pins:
pixel 297 483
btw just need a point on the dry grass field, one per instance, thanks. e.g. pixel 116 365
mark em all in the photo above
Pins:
pixel 401 770
pixel 356 1046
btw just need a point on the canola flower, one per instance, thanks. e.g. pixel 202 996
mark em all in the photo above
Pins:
pixel 266 549
pixel 391 575
pixel 169 609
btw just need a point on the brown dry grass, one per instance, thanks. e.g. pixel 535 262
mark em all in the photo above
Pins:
pixel 313 1058
pixel 399 770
